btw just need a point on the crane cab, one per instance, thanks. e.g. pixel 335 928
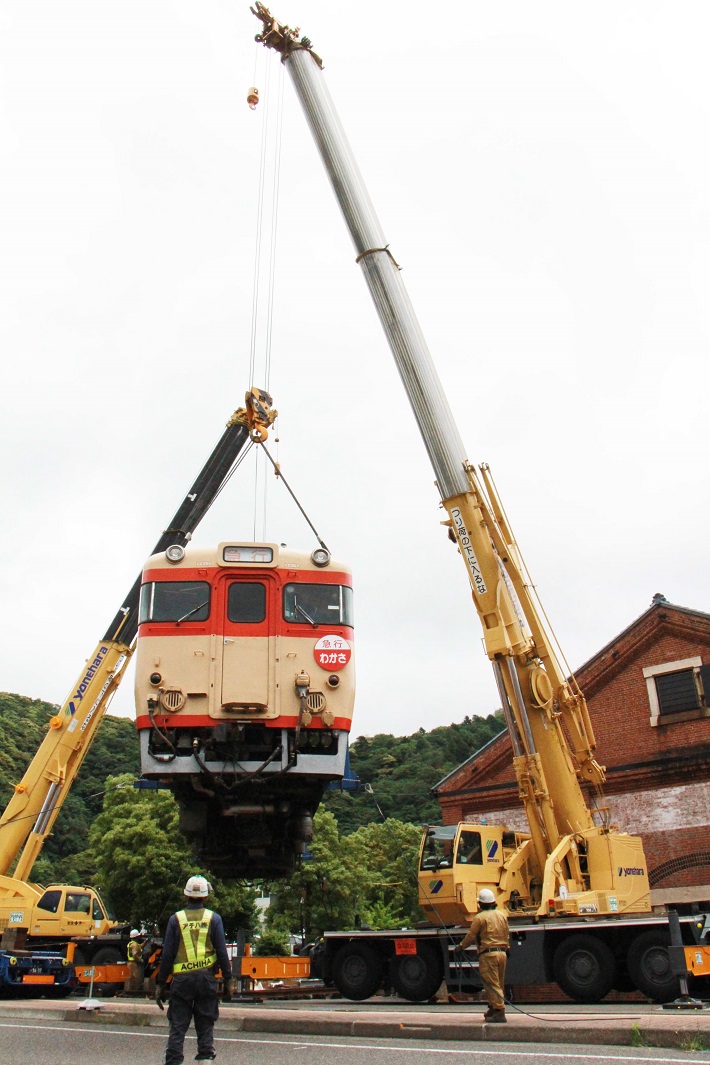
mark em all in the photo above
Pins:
pixel 456 861
pixel 244 694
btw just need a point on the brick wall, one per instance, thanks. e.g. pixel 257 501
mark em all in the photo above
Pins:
pixel 658 777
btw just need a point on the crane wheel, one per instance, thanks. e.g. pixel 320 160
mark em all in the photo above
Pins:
pixel 650 968
pixel 417 977
pixel 584 967
pixel 357 971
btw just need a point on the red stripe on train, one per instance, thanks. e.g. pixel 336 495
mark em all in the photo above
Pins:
pixel 300 576
pixel 203 720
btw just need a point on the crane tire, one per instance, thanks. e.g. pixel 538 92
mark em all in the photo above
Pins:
pixel 357 971
pixel 584 967
pixel 417 977
pixel 650 966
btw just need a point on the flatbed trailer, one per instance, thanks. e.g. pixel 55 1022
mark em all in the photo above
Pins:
pixel 586 957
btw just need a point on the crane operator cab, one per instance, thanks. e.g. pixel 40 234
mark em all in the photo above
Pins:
pixel 244 691
pixel 456 861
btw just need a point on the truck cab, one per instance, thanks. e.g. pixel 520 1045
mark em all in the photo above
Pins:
pixel 59 912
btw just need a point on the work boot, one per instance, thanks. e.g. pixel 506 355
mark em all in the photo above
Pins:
pixel 495 1016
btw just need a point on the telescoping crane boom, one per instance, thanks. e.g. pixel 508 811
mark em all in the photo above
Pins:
pixel 573 861
pixel 38 797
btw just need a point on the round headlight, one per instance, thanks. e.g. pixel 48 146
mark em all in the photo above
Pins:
pixel 175 553
pixel 321 556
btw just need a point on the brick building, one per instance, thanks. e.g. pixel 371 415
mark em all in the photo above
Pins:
pixel 648 692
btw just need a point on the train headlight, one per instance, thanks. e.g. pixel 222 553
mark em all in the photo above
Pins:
pixel 320 557
pixel 175 553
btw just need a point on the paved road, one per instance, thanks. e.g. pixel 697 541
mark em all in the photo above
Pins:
pixel 30 1042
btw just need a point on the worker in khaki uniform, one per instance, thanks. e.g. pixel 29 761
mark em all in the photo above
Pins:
pixel 193 948
pixel 134 957
pixel 489 931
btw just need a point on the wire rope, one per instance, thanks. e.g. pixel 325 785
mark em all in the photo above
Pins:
pixel 258 237
pixel 264 262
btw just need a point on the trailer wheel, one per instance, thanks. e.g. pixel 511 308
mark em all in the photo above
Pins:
pixel 417 977
pixel 650 966
pixel 107 956
pixel 357 971
pixel 584 967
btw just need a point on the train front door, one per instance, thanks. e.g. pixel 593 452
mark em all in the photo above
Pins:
pixel 247 654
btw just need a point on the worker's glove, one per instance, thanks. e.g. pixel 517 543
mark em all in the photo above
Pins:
pixel 160 996
pixel 227 991
pixel 459 951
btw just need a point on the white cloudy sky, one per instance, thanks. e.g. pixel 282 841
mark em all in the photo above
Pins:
pixel 542 173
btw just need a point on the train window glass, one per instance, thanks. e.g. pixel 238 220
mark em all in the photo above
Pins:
pixel 318 604
pixel 50 901
pixel 175 601
pixel 246 603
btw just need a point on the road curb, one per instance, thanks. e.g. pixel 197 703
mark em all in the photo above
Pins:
pixel 682 1030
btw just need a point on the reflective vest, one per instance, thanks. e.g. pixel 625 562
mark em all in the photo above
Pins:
pixel 195 950
pixel 134 951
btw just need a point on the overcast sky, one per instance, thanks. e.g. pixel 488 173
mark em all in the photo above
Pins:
pixel 541 171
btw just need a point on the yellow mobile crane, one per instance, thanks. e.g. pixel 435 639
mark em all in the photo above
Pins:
pixel 577 885
pixel 49 917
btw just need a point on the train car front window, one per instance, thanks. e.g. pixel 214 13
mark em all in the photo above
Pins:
pixel 175 601
pixel 318 604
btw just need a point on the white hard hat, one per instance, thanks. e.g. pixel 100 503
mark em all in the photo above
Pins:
pixel 485 895
pixel 134 933
pixel 197 887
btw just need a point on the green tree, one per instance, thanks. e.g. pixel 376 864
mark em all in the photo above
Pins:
pixel 143 861
pixel 388 856
pixel 271 944
pixel 368 877
pixel 323 893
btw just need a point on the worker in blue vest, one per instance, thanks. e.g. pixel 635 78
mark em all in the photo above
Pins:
pixel 193 949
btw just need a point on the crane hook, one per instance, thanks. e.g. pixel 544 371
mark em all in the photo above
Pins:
pixel 253 97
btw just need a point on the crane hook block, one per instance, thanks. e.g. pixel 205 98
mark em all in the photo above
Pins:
pixel 253 97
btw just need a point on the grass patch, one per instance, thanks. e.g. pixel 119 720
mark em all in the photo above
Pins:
pixel 693 1043
pixel 638 1039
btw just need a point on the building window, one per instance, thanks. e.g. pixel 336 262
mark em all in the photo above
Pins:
pixel 677 691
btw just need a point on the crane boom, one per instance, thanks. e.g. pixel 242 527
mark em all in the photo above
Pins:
pixel 546 714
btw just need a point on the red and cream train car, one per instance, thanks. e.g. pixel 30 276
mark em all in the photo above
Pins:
pixel 244 695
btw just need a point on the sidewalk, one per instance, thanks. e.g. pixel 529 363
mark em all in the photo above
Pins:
pixel 644 1025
